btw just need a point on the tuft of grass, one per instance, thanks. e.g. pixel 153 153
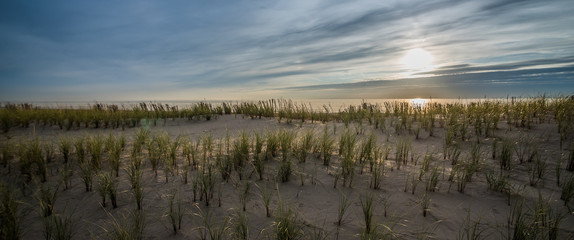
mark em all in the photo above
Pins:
pixel 326 146
pixel 207 184
pixel 348 161
pixel 135 177
pixel 108 186
pixel 570 164
pixel 471 230
pixel 266 195
pixel 240 153
pixel 46 197
pixel 240 226
pixel 433 180
pixel 87 174
pixel 519 225
pixel 344 205
pixel 211 229
pixel 558 170
pixel 286 139
pixel 259 159
pixel 225 163
pixel 66 175
pixel 497 182
pixel 102 188
pixel 244 191
pixel 377 170
pixel 141 138
pixel 286 225
pixel 404 147
pixel 7 154
pixel 284 171
pixel 546 218
pixel 367 207
pixel 425 203
pixel 80 150
pixel 49 152
pixel 525 148
pixel 567 191
pixel 65 146
pixel 319 233
pixel 175 210
pixel 130 226
pixel 116 147
pixel 272 149
pixel 95 145
pixel 506 154
pixel 10 213
pixel 59 227
pixel 304 146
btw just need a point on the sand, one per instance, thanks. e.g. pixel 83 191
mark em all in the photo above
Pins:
pixel 316 202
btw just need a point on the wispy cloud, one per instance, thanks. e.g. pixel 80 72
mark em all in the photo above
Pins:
pixel 525 82
pixel 183 49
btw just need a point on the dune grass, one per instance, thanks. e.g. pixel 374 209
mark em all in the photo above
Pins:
pixel 94 158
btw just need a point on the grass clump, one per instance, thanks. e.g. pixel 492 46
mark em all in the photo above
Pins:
pixel 367 207
pixel 65 146
pixel 10 213
pixel 46 197
pixel 130 226
pixel 258 157
pixel 377 170
pixel 211 229
pixel 471 230
pixel 80 149
pixel 95 145
pixel 175 211
pixel 266 195
pixel 326 146
pixel 286 225
pixel 567 191
pixel 240 226
pixel 116 147
pixel 59 227
pixel 348 152
pixel 87 174
pixel 244 193
pixel 570 164
pixel 240 153
pixel 304 146
pixel 135 174
pixel 404 147
pixel 344 205
pixel 506 154
pixel 207 184
pixel 108 186
pixel 497 182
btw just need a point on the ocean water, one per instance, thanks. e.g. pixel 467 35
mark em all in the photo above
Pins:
pixel 315 104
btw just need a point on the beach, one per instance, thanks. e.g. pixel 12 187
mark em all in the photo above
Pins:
pixel 397 176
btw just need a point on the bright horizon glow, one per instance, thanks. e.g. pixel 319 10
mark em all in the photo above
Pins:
pixel 419 102
pixel 417 59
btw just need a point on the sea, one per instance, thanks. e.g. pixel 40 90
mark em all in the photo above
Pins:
pixel 315 104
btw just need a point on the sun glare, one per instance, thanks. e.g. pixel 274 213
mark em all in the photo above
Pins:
pixel 419 102
pixel 417 59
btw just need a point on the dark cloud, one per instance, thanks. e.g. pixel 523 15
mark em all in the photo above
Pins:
pixel 467 68
pixel 477 84
pixel 503 5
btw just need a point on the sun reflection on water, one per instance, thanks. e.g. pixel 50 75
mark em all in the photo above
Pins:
pixel 419 102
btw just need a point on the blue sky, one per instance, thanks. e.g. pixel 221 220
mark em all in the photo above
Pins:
pixel 185 50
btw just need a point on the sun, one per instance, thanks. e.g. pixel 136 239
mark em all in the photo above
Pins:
pixel 417 59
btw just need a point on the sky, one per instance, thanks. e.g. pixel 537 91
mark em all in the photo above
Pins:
pixel 130 50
